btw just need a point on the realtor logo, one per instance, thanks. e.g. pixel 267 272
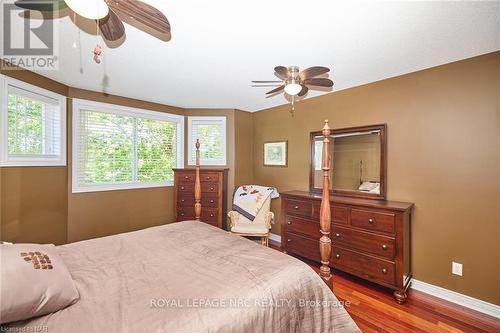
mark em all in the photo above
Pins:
pixel 29 39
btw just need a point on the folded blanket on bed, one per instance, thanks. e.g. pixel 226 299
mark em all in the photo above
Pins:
pixel 248 199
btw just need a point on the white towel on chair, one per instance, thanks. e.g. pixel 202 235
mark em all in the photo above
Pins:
pixel 248 199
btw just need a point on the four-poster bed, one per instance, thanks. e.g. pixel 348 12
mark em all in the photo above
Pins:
pixel 190 276
pixel 325 242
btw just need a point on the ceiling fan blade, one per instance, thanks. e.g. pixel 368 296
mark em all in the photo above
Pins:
pixel 42 5
pixel 303 91
pixel 267 81
pixel 141 15
pixel 111 27
pixel 320 82
pixel 275 90
pixel 312 72
pixel 264 85
pixel 282 71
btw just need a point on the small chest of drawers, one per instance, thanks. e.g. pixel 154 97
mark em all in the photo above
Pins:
pixel 213 195
pixel 370 238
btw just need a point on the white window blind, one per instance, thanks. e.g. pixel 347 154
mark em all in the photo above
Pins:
pixel 116 147
pixel 211 131
pixel 33 125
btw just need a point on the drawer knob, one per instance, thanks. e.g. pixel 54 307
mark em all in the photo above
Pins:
pixel 337 256
pixel 208 178
pixel 288 240
pixel 186 177
pixel 370 221
pixel 211 189
pixel 212 201
pixel 182 200
pixel 182 214
pixel 337 235
pixel 296 207
pixel 288 222
pixel 182 187
pixel 211 215
pixel 384 247
pixel 384 271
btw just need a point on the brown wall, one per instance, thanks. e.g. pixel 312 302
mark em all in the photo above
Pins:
pixel 33 200
pixel 443 155
pixel 243 148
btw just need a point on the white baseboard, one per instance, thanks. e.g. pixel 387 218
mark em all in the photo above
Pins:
pixel 457 298
pixel 275 237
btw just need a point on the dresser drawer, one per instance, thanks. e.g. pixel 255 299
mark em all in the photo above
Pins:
pixel 363 266
pixel 210 215
pixel 186 177
pixel 295 207
pixel 207 200
pixel 338 213
pixel 205 187
pixel 209 177
pixel 371 220
pixel 185 213
pixel 189 177
pixel 302 246
pixel 302 226
pixel 383 246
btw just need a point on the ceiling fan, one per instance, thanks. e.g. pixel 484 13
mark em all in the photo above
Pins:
pixel 296 83
pixel 109 15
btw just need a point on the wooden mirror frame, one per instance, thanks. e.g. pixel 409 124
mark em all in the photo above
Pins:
pixel 383 161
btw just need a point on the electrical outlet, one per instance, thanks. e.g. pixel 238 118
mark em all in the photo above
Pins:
pixel 456 268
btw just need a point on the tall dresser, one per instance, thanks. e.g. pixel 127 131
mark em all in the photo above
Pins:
pixel 370 238
pixel 213 195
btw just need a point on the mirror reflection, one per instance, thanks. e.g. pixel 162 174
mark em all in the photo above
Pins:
pixel 356 162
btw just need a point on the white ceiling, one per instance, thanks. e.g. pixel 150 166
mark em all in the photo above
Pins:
pixel 218 47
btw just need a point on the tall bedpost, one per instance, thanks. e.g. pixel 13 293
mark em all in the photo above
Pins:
pixel 325 243
pixel 197 185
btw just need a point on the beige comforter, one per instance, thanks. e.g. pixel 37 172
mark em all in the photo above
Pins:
pixel 191 277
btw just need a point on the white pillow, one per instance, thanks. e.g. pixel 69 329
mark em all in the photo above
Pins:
pixel 33 281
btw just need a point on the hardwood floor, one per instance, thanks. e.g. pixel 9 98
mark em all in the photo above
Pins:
pixel 374 310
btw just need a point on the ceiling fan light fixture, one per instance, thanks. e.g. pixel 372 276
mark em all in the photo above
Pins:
pixel 91 9
pixel 293 88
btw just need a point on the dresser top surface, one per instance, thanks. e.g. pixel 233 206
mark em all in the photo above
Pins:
pixel 201 169
pixel 373 203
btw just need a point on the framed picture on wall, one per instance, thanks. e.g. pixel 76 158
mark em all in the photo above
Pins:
pixel 275 153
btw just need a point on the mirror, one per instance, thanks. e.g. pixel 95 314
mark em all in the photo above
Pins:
pixel 358 167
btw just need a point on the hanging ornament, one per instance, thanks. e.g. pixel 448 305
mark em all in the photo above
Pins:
pixel 97 53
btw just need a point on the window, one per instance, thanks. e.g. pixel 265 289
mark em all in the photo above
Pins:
pixel 32 125
pixel 117 147
pixel 211 131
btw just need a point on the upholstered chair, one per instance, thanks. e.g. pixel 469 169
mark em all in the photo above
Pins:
pixel 259 227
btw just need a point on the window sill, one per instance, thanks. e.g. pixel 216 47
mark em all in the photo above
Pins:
pixel 121 187
pixel 33 163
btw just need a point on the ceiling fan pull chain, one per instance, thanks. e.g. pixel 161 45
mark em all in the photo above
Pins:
pixel 97 49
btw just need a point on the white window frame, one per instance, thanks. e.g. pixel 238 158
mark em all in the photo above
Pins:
pixel 79 104
pixel 31 160
pixel 191 141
